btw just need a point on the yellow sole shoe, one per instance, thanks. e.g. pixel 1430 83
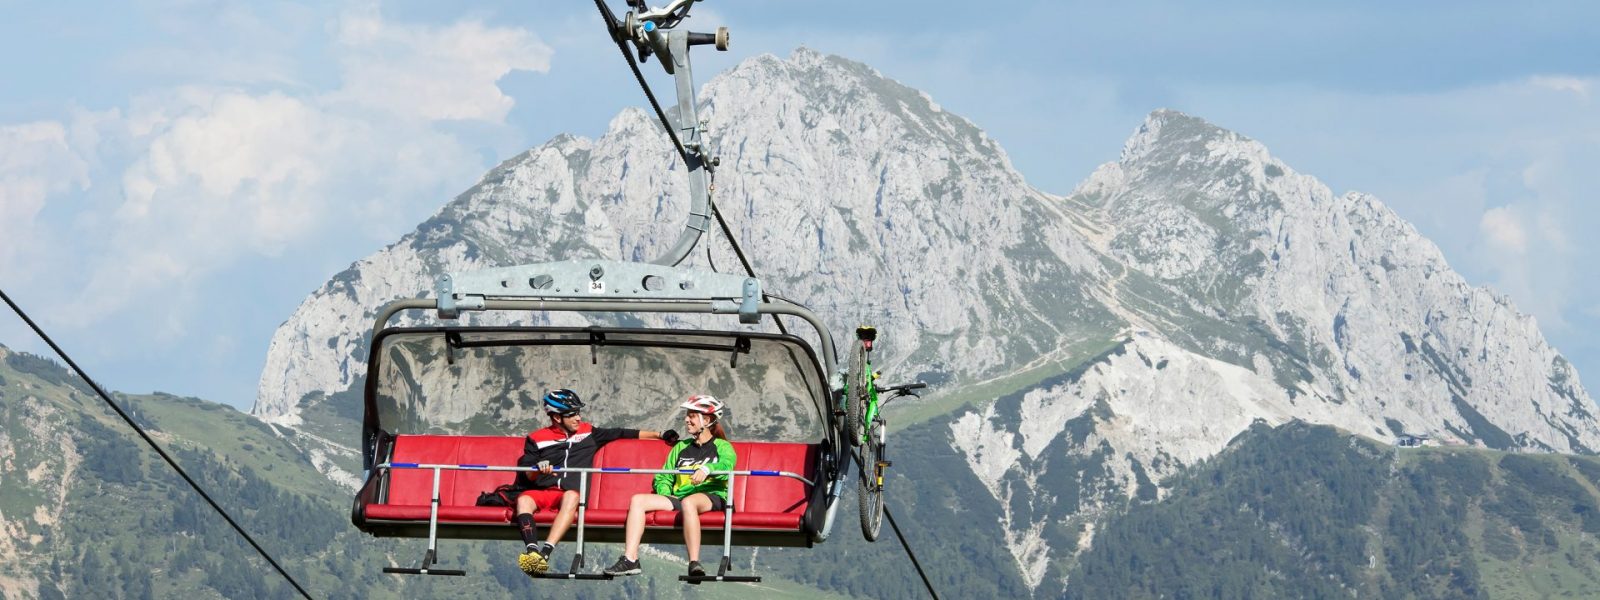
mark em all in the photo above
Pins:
pixel 533 563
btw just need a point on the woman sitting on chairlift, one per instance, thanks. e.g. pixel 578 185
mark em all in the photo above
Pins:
pixel 705 449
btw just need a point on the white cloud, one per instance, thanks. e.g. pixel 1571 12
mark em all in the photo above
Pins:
pixel 220 175
pixel 241 164
pixel 36 162
pixel 1564 83
pixel 1504 229
pixel 433 72
pixel 203 177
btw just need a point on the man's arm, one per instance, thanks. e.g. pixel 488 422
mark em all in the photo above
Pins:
pixel 530 457
pixel 604 436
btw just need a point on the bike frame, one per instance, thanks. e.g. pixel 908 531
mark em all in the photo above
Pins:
pixel 872 400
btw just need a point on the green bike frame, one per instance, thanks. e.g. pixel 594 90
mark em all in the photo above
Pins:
pixel 872 400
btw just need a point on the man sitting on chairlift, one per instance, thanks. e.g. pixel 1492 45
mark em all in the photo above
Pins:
pixel 568 443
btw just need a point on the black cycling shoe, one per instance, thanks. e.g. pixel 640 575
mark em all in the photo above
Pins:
pixel 695 570
pixel 624 566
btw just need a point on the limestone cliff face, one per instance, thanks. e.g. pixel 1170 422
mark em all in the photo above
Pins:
pixel 850 192
pixel 1252 292
pixel 1191 288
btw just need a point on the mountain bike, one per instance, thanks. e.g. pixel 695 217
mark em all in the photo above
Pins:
pixel 866 429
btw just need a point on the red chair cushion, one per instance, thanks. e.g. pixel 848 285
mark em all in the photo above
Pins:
pixel 447 514
pixel 614 491
pixel 741 520
pixel 456 487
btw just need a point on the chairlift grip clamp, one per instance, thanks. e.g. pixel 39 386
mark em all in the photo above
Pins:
pixel 749 309
pixel 445 288
pixel 449 306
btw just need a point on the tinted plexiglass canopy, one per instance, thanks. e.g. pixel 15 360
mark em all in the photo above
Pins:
pixel 491 381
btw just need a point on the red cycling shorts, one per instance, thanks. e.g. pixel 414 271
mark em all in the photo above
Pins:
pixel 545 499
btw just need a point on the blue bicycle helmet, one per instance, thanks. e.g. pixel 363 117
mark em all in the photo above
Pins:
pixel 562 402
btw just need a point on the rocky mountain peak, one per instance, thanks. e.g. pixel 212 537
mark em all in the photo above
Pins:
pixel 1099 341
pixel 832 176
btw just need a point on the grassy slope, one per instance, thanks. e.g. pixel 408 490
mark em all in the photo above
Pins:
pixel 947 399
pixel 1309 511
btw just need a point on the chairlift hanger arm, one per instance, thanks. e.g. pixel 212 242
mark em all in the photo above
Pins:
pixel 655 31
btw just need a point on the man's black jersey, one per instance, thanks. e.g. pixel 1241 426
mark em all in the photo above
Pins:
pixel 571 451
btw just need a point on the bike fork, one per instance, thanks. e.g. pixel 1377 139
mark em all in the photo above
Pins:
pixel 883 459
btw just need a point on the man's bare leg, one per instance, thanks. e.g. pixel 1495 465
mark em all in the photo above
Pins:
pixel 564 518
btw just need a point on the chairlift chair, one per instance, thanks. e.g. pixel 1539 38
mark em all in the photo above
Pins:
pixel 445 406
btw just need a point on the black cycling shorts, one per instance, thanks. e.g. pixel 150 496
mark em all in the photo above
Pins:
pixel 717 503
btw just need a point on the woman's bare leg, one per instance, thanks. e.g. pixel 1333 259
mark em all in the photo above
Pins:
pixel 692 507
pixel 637 507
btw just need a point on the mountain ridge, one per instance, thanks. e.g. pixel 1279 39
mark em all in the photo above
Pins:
pixel 1231 288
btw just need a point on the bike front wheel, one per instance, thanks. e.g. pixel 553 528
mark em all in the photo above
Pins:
pixel 872 474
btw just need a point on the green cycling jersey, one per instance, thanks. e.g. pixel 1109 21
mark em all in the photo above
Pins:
pixel 715 455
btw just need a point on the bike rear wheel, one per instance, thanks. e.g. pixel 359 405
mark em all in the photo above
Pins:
pixel 858 394
pixel 871 492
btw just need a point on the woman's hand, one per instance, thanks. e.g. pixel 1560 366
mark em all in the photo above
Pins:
pixel 700 475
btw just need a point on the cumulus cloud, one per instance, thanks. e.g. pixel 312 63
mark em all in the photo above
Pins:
pixel 1504 229
pixel 221 175
pixel 36 162
pixel 433 72
pixel 209 175
pixel 1531 257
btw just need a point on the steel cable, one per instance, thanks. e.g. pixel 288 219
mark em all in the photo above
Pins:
pixel 613 28
pixel 153 445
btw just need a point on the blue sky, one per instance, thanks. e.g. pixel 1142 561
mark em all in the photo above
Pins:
pixel 177 175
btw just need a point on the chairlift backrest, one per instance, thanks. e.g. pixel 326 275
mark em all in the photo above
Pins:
pixel 488 381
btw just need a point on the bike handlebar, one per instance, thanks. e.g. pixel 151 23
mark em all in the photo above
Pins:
pixel 903 389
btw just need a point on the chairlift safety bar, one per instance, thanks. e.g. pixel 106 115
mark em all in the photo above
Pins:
pixel 630 470
pixel 431 556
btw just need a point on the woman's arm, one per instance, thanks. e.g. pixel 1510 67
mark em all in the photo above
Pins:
pixel 726 459
pixel 663 481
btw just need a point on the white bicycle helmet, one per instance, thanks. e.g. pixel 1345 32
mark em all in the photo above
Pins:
pixel 704 403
